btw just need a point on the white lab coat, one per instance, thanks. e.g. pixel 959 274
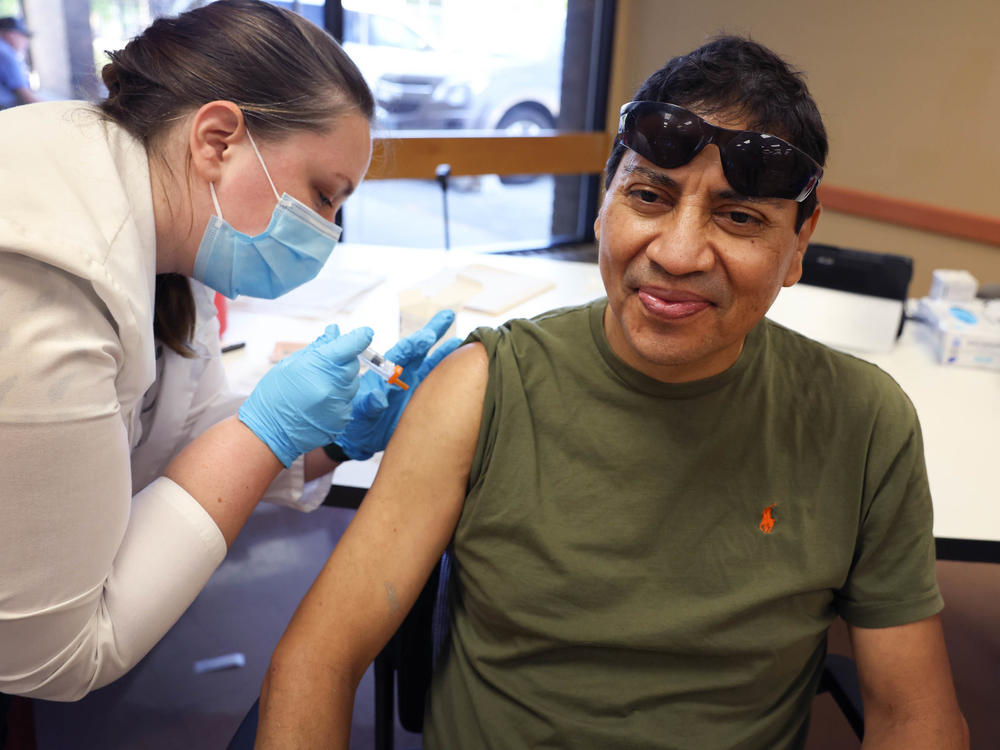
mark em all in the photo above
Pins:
pixel 99 554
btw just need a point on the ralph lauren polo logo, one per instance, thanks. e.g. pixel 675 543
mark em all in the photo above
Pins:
pixel 767 519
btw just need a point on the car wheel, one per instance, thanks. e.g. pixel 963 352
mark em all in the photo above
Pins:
pixel 524 119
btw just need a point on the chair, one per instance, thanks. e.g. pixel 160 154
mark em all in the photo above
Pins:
pixel 246 732
pixel 5 701
pixel 840 679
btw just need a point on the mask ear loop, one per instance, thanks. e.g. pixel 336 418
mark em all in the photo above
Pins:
pixel 215 200
pixel 261 160
pixel 211 185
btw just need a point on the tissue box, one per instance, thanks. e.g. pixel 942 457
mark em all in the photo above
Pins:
pixel 953 286
pixel 961 333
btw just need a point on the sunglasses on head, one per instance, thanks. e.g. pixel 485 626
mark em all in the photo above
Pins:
pixel 755 164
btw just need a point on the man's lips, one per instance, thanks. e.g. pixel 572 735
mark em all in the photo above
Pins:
pixel 671 304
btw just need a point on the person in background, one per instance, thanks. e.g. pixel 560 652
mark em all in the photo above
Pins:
pixel 14 85
pixel 658 502
pixel 230 137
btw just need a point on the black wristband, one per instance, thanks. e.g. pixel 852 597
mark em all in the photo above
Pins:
pixel 335 453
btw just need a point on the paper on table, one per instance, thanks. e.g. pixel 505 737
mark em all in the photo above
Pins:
pixel 476 287
pixel 843 320
pixel 502 290
pixel 442 291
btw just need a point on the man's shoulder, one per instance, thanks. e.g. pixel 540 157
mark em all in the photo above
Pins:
pixel 560 322
pixel 801 351
pixel 814 365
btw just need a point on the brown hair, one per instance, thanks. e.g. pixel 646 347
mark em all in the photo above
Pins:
pixel 283 72
pixel 738 76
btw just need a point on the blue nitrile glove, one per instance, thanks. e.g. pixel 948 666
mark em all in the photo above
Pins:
pixel 304 401
pixel 378 405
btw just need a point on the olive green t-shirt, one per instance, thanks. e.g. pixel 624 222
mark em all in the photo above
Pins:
pixel 650 565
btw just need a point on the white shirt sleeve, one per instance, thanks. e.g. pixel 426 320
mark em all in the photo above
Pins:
pixel 90 579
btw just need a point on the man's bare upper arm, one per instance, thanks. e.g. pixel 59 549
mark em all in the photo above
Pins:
pixel 406 520
pixel 424 474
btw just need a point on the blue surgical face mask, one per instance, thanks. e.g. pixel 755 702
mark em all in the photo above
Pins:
pixel 290 252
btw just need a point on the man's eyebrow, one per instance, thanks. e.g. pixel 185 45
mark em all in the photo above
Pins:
pixel 733 195
pixel 671 184
pixel 652 175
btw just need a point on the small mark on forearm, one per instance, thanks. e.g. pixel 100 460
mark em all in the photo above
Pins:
pixel 391 598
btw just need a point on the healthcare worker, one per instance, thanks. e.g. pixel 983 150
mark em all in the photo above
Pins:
pixel 229 138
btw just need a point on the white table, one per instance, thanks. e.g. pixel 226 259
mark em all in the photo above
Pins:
pixel 959 408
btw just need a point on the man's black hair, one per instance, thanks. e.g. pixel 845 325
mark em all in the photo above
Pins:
pixel 738 78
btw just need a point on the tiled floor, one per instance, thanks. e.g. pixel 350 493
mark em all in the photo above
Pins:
pixel 162 704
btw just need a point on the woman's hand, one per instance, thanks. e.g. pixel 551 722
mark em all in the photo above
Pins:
pixel 378 405
pixel 304 401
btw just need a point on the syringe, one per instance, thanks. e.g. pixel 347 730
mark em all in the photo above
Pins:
pixel 387 370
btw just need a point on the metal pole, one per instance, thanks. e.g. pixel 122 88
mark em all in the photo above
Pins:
pixel 442 173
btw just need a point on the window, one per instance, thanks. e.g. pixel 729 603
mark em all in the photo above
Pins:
pixel 11 8
pixel 466 67
pixel 387 32
pixel 70 39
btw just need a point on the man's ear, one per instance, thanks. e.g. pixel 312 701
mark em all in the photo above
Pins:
pixel 794 272
pixel 214 128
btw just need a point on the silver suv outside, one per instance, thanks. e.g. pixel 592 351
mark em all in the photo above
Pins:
pixel 419 87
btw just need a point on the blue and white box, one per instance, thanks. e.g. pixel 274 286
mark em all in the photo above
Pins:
pixel 962 333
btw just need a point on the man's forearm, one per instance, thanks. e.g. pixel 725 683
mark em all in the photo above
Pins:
pixel 305 706
pixel 934 731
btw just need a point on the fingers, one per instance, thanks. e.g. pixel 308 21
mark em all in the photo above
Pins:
pixel 411 349
pixel 414 347
pixel 440 323
pixel 347 347
pixel 371 404
pixel 332 332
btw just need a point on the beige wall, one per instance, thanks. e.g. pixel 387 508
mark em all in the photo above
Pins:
pixel 909 91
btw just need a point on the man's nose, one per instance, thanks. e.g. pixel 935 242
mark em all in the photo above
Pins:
pixel 683 243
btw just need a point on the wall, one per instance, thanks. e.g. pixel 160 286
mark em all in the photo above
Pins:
pixel 909 91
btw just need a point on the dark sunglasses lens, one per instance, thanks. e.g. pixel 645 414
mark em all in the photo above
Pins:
pixel 667 138
pixel 755 164
pixel 761 165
